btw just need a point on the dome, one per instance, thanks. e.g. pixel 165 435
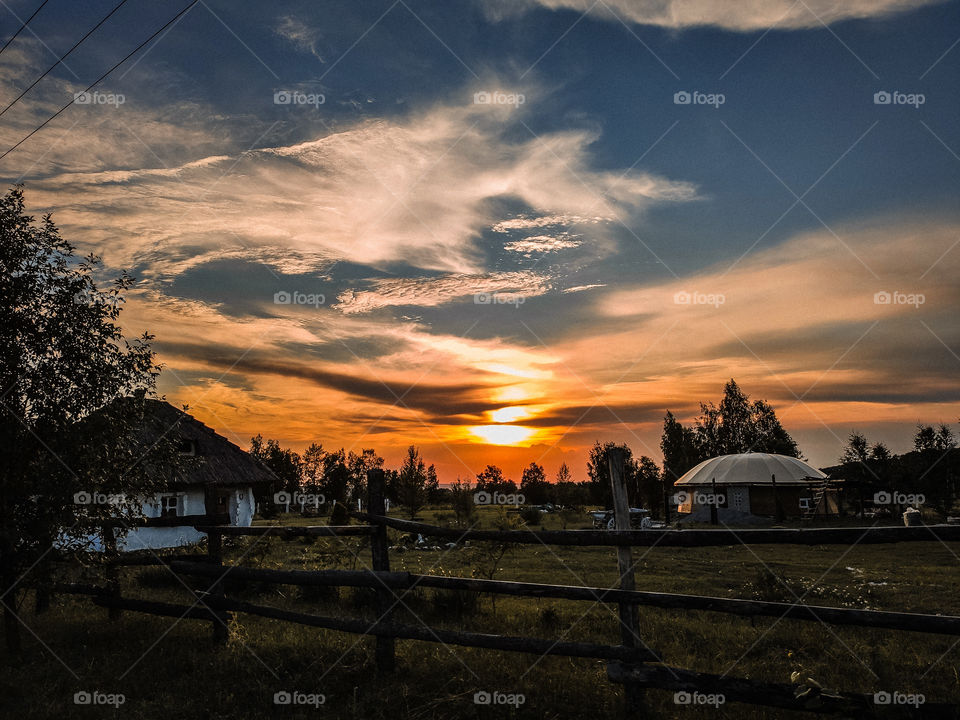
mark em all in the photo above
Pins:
pixel 751 469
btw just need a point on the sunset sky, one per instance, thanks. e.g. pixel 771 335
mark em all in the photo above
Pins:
pixel 523 238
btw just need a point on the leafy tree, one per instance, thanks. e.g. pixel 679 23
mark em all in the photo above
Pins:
pixel 412 482
pixel 285 464
pixel 312 468
pixel 680 448
pixel 491 480
pixel 598 470
pixel 432 486
pixel 337 477
pixel 563 474
pixel 73 392
pixel 359 465
pixel 464 507
pixel 534 485
pixel 738 426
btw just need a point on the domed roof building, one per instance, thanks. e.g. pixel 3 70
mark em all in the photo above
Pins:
pixel 754 484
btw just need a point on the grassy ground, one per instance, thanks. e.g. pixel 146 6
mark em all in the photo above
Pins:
pixel 166 668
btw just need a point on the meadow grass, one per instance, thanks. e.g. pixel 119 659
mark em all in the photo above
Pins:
pixel 169 668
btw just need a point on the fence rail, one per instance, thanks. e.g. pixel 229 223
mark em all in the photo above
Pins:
pixel 627 663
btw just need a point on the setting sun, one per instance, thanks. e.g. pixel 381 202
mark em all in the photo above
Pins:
pixel 502 434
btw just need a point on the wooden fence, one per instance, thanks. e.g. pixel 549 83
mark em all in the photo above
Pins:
pixel 631 662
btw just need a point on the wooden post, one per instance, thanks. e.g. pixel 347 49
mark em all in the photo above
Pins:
pixel 376 505
pixel 215 551
pixel 713 505
pixel 629 624
pixel 777 507
pixel 112 571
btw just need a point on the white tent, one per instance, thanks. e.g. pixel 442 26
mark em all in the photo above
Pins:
pixel 751 469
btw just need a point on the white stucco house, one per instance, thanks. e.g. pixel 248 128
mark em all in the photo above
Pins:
pixel 216 478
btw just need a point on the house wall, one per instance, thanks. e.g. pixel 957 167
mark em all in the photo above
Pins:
pixel 763 502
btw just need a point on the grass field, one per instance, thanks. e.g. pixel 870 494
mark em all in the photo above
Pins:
pixel 169 668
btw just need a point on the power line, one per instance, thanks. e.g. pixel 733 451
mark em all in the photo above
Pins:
pixel 64 56
pixel 20 29
pixel 133 52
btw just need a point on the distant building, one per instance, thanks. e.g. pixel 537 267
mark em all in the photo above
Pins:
pixel 759 484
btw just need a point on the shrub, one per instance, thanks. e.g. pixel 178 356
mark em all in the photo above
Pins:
pixel 531 516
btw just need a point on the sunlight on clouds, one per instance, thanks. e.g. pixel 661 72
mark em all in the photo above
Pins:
pixel 503 434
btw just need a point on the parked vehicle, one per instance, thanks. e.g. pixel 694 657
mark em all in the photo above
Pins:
pixel 639 519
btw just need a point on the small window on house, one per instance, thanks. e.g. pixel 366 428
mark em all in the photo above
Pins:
pixel 169 505
pixel 187 447
pixel 804 503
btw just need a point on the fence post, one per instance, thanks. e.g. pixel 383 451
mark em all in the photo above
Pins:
pixel 629 624
pixel 215 553
pixel 376 505
pixel 112 571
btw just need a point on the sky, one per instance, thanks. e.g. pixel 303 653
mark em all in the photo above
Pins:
pixel 504 230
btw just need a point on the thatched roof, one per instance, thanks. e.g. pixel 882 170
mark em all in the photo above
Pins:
pixel 217 461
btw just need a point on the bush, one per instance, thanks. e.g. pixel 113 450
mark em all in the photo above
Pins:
pixel 339 515
pixel 531 516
